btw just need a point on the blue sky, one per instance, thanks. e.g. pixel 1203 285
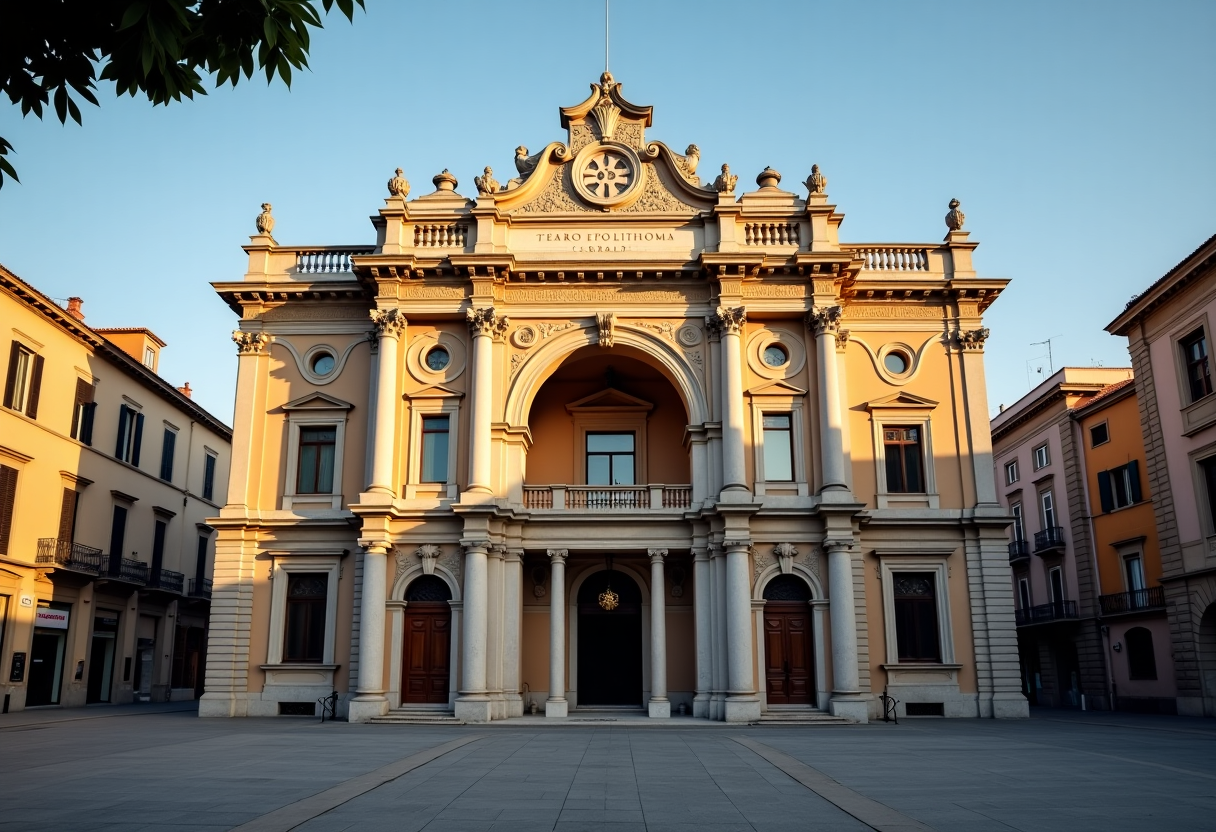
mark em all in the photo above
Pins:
pixel 1079 137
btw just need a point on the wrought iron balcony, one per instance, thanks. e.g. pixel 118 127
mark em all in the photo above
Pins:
pixel 168 580
pixel 200 589
pixel 1043 613
pixel 608 498
pixel 1136 600
pixel 1019 550
pixel 1049 540
pixel 126 569
pixel 68 555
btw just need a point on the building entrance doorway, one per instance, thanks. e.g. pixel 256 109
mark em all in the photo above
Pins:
pixel 101 657
pixel 789 674
pixel 46 668
pixel 609 641
pixel 426 661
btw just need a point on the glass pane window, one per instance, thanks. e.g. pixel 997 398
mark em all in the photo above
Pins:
pixel 304 636
pixel 1011 472
pixel 1049 509
pixel 1024 593
pixel 610 459
pixel 1195 356
pixel 778 447
pixel 435 437
pixel 916 617
pixel 1019 528
pixel 1134 567
pixel 1056 579
pixel 905 466
pixel 316 467
pixel 1041 458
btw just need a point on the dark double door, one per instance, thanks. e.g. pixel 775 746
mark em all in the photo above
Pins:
pixel 788 655
pixel 427 652
pixel 609 642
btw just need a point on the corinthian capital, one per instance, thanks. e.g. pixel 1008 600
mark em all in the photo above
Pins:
pixel 558 555
pixel 389 323
pixel 656 555
pixel 973 340
pixel 728 320
pixel 486 322
pixel 824 319
pixel 250 343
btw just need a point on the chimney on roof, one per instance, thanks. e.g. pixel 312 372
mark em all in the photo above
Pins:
pixel 1002 408
pixel 185 391
pixel 74 308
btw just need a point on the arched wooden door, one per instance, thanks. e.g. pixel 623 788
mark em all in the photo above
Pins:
pixel 426 663
pixel 789 674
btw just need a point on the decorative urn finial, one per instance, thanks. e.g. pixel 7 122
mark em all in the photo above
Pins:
pixel 399 185
pixel 486 184
pixel 816 183
pixel 725 183
pixel 956 218
pixel 768 178
pixel 265 222
pixel 444 181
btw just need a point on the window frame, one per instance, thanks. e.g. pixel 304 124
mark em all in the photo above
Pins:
pixel 23 384
pixel 1120 487
pixel 888 567
pixel 422 408
pixel 1019 521
pixel 1051 587
pixel 774 400
pixel 425 459
pixel 317 467
pixel 167 459
pixel 1049 494
pixel 1105 425
pixel 1034 456
pixel 1012 472
pixel 211 461
pixel 277 632
pixel 130 437
pixel 1024 596
pixel 1196 332
pixel 611 455
pixel 313 411
pixel 898 415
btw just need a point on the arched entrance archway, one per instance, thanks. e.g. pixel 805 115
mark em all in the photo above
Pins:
pixel 789 660
pixel 427 642
pixel 609 642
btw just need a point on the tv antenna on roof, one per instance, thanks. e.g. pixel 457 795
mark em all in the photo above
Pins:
pixel 605 35
pixel 1050 363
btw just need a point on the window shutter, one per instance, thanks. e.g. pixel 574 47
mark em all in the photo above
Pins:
pixel 1133 474
pixel 166 455
pixel 67 514
pixel 139 436
pixel 8 500
pixel 84 395
pixel 1104 491
pixel 31 401
pixel 10 383
pixel 124 416
pixel 86 429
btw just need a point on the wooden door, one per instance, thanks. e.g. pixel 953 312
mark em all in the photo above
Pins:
pixel 428 643
pixel 789 678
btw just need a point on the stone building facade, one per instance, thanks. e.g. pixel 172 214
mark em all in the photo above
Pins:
pixel 614 436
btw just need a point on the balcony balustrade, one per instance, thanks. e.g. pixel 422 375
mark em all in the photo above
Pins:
pixel 1043 613
pixel 127 570
pixel 1136 600
pixel 608 498
pixel 1049 540
pixel 200 589
pixel 1019 550
pixel 169 581
pixel 68 555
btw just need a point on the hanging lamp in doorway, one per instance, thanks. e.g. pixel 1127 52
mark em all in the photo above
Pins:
pixel 608 599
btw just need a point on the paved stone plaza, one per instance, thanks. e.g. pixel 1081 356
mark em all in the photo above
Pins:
pixel 156 768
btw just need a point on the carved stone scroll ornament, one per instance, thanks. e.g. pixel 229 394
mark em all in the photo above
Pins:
pixel 816 183
pixel 785 552
pixel 728 319
pixel 824 319
pixel 955 218
pixel 486 322
pixel 250 343
pixel 486 183
pixel 725 183
pixel 265 222
pixel 429 554
pixel 388 322
pixel 973 340
pixel 604 322
pixel 399 185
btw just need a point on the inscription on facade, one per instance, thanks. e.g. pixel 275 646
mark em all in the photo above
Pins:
pixel 606 294
pixel 587 239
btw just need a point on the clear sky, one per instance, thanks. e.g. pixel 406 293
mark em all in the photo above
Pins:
pixel 1079 136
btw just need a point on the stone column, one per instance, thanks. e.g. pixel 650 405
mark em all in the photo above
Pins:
pixel 494 632
pixel 730 322
pixel 484 326
pixel 702 600
pixel 742 704
pixel 718 580
pixel 556 705
pixel 370 700
pixel 513 571
pixel 659 705
pixel 390 325
pixel 473 703
pixel 846 684
pixel 824 321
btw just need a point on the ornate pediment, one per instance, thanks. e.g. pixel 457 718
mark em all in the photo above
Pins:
pixel 609 399
pixel 901 400
pixel 776 388
pixel 317 401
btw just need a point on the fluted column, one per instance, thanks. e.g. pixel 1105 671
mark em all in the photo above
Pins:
pixel 659 705
pixel 702 602
pixel 556 705
pixel 742 704
pixel 729 321
pixel 370 700
pixel 473 703
pixel 824 321
pixel 717 707
pixel 846 683
pixel 512 604
pixel 390 326
pixel 484 326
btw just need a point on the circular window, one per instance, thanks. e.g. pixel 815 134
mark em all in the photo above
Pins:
pixel 323 363
pixel 438 359
pixel 896 363
pixel 776 355
pixel 607 174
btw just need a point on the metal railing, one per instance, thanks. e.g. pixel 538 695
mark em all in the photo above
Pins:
pixel 169 581
pixel 200 589
pixel 131 571
pixel 1049 538
pixel 600 497
pixel 1055 611
pixel 1133 600
pixel 1018 550
pixel 68 555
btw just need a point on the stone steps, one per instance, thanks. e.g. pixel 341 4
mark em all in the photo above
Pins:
pixel 801 718
pixel 416 716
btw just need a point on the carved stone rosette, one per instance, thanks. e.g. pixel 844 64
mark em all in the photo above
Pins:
pixel 487 322
pixel 824 319
pixel 250 343
pixel 388 322
pixel 972 340
pixel 728 319
pixel 605 322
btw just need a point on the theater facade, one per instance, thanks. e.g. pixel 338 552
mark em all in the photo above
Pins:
pixel 613 434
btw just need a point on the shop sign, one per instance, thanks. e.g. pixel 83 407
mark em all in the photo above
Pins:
pixel 54 619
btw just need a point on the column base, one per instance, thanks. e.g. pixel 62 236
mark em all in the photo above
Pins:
pixel 700 706
pixel 221 705
pixel 742 709
pixel 557 708
pixel 515 705
pixel 1010 706
pixel 472 708
pixel 852 708
pixel 363 708
pixel 659 709
pixel 715 707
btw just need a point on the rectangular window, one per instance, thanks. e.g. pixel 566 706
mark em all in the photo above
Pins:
pixel 916 617
pixel 118 532
pixel 1099 435
pixel 200 562
pixel 1011 472
pixel 778 447
pixel 1119 487
pixel 209 477
pixel 316 468
pixel 1041 458
pixel 1047 503
pixel 1133 568
pixel 24 381
pixel 435 438
pixel 8 502
pixel 166 455
pixel 1195 360
pixel 1056 579
pixel 905 466
pixel 158 550
pixel 1024 593
pixel 610 459
pixel 149 358
pixel 130 435
pixel 304 633
pixel 1019 526
pixel 67 515
pixel 82 412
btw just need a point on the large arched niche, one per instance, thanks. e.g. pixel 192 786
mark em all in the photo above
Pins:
pixel 620 390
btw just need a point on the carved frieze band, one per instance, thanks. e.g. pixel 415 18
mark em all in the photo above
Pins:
pixel 487 322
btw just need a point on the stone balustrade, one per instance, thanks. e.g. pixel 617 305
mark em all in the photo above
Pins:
pixel 327 259
pixel 449 235
pixel 892 257
pixel 770 234
pixel 610 498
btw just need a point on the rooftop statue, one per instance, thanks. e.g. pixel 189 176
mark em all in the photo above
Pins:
pixel 486 184
pixel 956 218
pixel 265 222
pixel 399 185
pixel 816 183
pixel 725 183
